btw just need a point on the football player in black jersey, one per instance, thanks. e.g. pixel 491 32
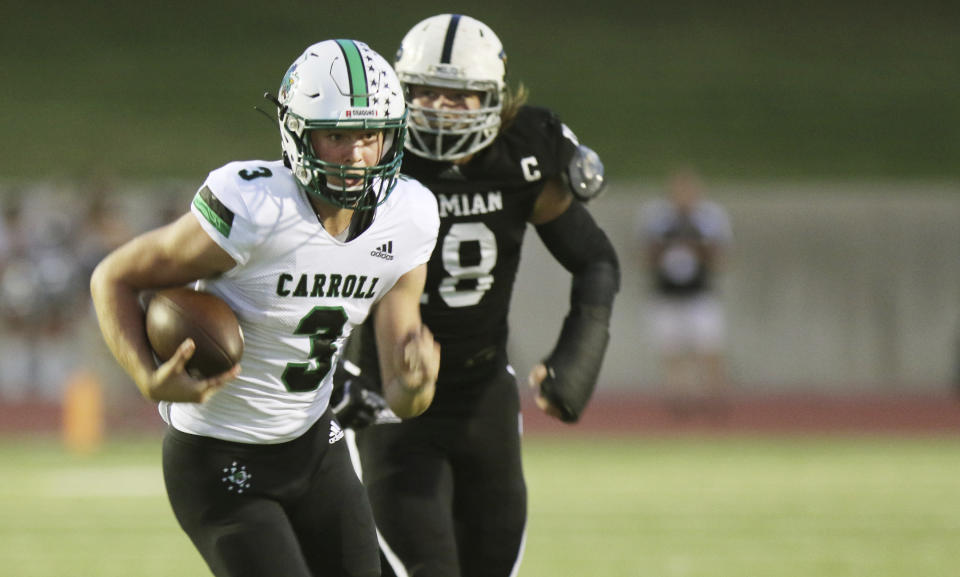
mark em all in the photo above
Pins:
pixel 447 488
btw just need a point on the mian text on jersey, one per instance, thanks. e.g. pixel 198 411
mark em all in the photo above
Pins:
pixel 330 286
pixel 470 204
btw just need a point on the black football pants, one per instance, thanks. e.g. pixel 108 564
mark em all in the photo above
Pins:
pixel 294 509
pixel 447 487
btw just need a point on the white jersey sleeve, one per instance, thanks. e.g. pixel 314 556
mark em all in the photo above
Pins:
pixel 220 206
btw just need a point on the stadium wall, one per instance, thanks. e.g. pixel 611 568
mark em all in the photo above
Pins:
pixel 831 288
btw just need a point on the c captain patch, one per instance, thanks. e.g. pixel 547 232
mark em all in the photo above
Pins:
pixel 214 211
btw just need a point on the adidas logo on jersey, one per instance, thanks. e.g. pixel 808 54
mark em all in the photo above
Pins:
pixel 385 251
pixel 336 433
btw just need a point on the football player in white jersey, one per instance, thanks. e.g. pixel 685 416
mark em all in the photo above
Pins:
pixel 303 250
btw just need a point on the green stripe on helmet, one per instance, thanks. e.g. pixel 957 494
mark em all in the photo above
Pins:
pixel 356 73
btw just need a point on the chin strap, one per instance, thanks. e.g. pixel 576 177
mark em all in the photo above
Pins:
pixel 360 221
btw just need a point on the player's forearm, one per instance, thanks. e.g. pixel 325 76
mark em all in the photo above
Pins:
pixel 121 322
pixel 574 364
pixel 410 373
pixel 409 357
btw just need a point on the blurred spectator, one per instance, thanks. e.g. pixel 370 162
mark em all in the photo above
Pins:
pixel 41 294
pixel 684 238
pixel 49 244
pixel 5 240
pixel 103 228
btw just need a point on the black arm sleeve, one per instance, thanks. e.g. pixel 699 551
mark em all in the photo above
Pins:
pixel 582 247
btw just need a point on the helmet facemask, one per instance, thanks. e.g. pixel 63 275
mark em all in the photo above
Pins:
pixel 373 183
pixel 445 134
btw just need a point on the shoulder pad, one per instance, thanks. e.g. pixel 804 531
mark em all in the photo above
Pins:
pixel 585 174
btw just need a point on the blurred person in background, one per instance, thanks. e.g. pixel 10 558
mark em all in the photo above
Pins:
pixel 684 240
pixel 104 227
pixel 5 240
pixel 254 464
pixel 42 295
pixel 447 487
pixel 7 219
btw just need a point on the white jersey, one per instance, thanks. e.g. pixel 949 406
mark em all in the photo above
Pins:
pixel 297 291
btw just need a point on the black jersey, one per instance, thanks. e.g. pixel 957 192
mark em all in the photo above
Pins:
pixel 682 238
pixel 484 206
pixel 682 267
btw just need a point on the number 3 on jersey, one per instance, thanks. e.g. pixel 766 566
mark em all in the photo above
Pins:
pixel 323 325
pixel 469 253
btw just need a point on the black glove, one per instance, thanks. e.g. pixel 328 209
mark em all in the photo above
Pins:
pixel 354 401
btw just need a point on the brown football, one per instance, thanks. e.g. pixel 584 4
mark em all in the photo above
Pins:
pixel 176 314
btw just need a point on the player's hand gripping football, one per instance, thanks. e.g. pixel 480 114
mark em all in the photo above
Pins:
pixel 171 381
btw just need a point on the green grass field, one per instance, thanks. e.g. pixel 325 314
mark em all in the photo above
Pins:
pixel 825 507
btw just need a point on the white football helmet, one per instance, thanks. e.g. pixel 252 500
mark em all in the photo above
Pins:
pixel 342 84
pixel 458 52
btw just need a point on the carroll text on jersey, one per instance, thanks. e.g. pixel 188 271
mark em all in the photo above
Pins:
pixel 323 285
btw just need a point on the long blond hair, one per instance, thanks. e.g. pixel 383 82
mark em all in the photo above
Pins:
pixel 512 101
